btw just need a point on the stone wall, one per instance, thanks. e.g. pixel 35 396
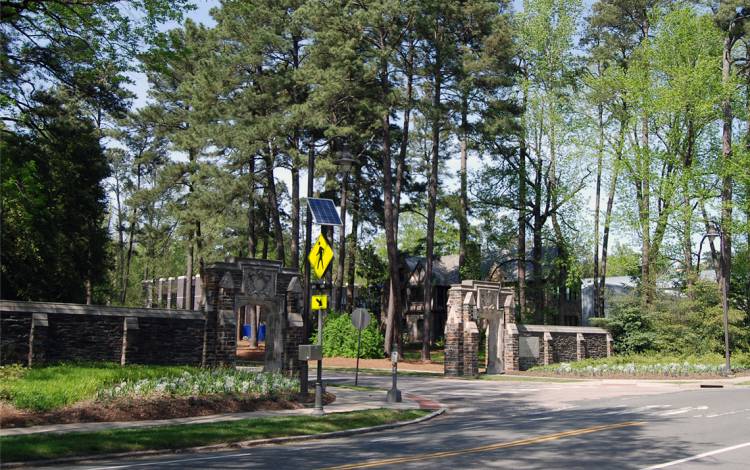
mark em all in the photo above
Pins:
pixel 15 329
pixel 44 332
pixel 556 344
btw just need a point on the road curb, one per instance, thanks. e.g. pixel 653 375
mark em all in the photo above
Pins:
pixel 233 445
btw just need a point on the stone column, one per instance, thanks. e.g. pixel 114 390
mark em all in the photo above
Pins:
pixel 610 341
pixel 454 335
pixel 181 292
pixel 495 342
pixel 580 351
pixel 160 293
pixel 511 347
pixel 197 292
pixel 454 345
pixel 547 344
pixel 148 293
pixel 170 282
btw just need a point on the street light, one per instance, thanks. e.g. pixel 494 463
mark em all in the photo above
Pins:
pixel 345 163
pixel 724 290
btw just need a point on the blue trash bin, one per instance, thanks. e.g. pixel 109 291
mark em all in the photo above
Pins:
pixel 246 329
pixel 262 332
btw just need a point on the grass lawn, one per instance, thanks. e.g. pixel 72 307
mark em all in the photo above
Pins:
pixel 50 387
pixel 50 446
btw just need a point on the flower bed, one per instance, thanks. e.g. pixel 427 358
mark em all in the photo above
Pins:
pixel 646 366
pixel 204 382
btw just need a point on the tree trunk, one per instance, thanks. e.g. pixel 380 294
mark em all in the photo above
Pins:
pixel 351 260
pixel 394 303
pixel 189 274
pixel 726 183
pixel 131 237
pixel 294 246
pixel 252 238
pixel 644 209
pixel 120 240
pixel 608 219
pixel 431 209
pixel 463 198
pixel 536 251
pixel 264 230
pixel 522 178
pixel 599 164
pixel 273 203
pixel 340 274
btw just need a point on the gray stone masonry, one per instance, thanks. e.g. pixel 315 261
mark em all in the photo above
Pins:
pixel 559 344
pixel 45 332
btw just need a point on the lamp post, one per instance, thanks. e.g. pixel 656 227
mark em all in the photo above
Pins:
pixel 724 286
pixel 306 312
pixel 345 164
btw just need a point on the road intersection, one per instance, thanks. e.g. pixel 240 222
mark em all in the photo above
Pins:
pixel 509 424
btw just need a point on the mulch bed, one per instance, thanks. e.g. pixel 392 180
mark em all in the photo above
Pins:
pixel 148 409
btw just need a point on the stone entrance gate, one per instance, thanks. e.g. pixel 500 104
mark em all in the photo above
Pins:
pixel 469 302
pixel 510 347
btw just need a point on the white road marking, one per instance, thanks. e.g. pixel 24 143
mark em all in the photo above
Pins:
pixel 699 456
pixel 680 411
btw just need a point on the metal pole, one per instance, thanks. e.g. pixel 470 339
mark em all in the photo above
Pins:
pixel 303 380
pixel 394 394
pixel 725 304
pixel 319 382
pixel 359 344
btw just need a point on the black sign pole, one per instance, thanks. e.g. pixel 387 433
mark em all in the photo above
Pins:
pixel 359 344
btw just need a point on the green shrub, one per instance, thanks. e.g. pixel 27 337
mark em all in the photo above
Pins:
pixel 692 324
pixel 340 338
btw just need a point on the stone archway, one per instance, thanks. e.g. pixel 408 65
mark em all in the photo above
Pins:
pixel 469 302
pixel 243 281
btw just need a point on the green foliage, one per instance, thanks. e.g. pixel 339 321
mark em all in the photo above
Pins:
pixel 340 338
pixel 50 387
pixel 623 261
pixel 472 268
pixel 53 233
pixel 683 325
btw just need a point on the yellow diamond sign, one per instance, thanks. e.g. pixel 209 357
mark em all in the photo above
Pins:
pixel 320 256
pixel 319 302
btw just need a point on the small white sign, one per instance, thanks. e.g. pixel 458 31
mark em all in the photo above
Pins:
pixel 394 357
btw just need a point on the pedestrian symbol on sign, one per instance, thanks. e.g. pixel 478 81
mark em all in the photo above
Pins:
pixel 320 257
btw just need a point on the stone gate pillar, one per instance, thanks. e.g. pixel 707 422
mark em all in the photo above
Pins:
pixel 467 302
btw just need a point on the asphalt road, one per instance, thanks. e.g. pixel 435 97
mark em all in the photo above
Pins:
pixel 520 425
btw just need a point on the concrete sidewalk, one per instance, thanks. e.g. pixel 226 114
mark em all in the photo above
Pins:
pixel 346 400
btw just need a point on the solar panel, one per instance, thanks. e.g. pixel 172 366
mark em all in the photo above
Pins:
pixel 323 212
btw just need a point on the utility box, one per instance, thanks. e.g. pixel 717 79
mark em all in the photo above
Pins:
pixel 310 352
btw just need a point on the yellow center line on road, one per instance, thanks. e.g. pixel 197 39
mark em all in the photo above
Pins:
pixel 499 445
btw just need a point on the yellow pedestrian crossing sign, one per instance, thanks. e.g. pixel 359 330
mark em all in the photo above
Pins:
pixel 320 256
pixel 319 302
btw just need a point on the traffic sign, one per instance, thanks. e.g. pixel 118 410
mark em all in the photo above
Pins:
pixel 319 302
pixel 360 318
pixel 320 256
